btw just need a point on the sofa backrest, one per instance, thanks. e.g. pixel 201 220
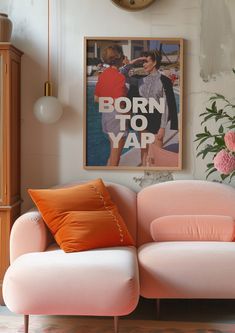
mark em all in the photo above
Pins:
pixel 182 197
pixel 125 200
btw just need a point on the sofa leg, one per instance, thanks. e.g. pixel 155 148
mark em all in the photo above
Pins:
pixel 158 308
pixel 116 326
pixel 26 323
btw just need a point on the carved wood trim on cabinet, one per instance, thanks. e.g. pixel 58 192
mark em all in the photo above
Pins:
pixel 10 58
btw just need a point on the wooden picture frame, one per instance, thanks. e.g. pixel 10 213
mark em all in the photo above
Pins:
pixel 133 90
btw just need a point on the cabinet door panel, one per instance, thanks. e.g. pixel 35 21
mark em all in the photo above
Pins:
pixel 3 156
pixel 9 148
pixel 14 132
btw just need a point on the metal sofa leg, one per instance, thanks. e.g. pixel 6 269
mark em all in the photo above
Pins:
pixel 26 323
pixel 158 308
pixel 116 326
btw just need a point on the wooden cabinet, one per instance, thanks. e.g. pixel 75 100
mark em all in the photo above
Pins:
pixel 9 148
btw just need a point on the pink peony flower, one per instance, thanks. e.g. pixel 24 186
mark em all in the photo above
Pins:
pixel 224 162
pixel 229 140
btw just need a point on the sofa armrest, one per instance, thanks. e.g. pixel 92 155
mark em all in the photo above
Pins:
pixel 29 234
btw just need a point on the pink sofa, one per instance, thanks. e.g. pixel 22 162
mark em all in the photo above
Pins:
pixel 42 279
pixel 180 269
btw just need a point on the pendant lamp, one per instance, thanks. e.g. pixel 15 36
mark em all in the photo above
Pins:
pixel 47 109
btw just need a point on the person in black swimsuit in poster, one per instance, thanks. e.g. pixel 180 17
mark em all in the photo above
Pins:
pixel 153 85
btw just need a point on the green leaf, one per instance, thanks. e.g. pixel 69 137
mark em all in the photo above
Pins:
pixel 231 176
pixel 215 148
pixel 200 153
pixel 201 135
pixel 220 96
pixel 217 96
pixel 209 149
pixel 209 111
pixel 205 152
pixel 213 170
pixel 202 114
pixel 207 117
pixel 221 129
pixel 223 176
pixel 227 105
pixel 212 98
pixel 211 165
pixel 202 140
pixel 206 130
pixel 219 141
pixel 214 107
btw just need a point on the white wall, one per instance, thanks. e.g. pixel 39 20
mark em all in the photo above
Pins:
pixel 52 154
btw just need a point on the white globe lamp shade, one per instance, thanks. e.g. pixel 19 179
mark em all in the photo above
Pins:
pixel 48 109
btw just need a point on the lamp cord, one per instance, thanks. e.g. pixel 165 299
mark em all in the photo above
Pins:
pixel 48 42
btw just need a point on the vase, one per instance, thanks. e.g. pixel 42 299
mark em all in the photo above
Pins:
pixel 5 28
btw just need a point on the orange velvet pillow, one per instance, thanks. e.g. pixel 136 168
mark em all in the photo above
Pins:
pixel 82 217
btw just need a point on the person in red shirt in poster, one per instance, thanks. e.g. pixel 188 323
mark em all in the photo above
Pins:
pixel 112 83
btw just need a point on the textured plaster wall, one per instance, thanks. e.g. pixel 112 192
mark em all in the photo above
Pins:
pixel 53 154
pixel 217 42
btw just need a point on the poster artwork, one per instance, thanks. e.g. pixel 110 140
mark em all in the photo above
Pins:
pixel 133 103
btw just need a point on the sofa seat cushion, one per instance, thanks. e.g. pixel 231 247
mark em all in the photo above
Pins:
pixel 96 282
pixel 187 269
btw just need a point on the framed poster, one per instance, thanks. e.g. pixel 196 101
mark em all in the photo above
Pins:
pixel 133 103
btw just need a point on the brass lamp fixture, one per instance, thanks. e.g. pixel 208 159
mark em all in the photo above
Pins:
pixel 47 109
pixel 133 5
